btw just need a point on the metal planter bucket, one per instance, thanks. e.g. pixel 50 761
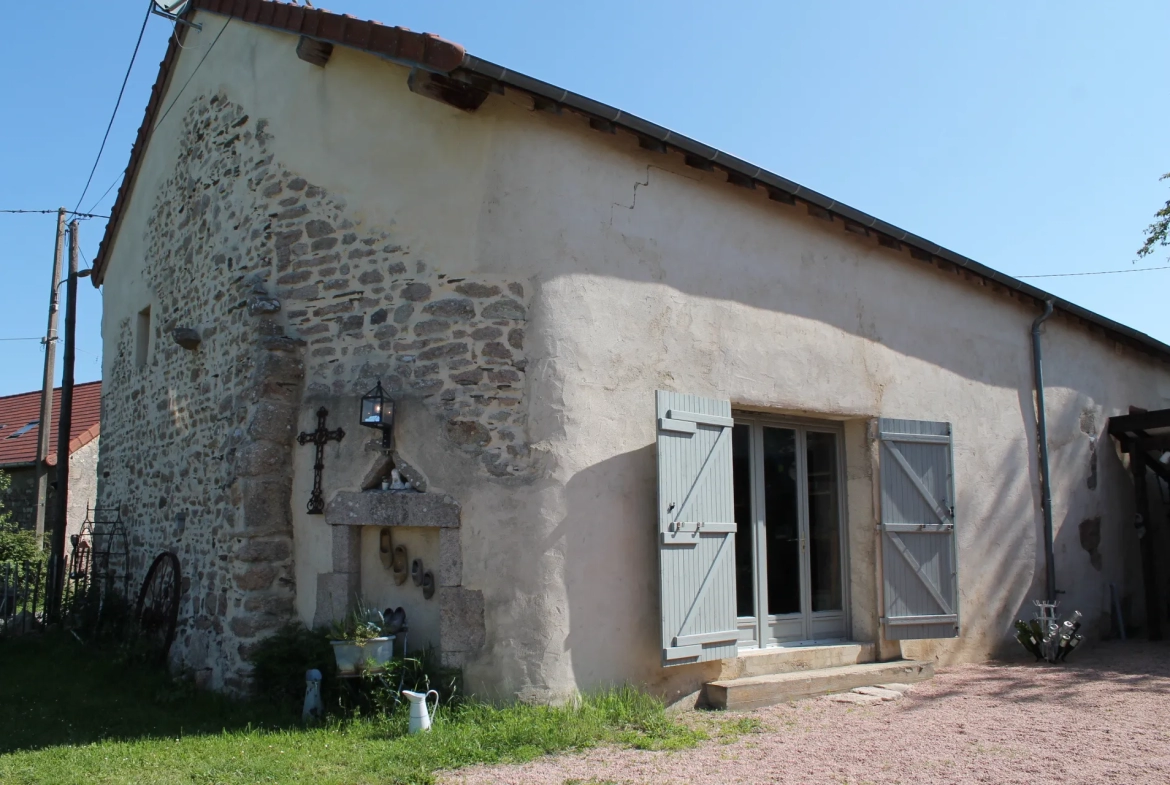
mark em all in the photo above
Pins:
pixel 351 656
pixel 348 655
pixel 380 650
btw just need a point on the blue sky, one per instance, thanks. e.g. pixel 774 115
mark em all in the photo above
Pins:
pixel 1028 136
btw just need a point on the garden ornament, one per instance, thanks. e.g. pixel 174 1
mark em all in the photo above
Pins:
pixel 420 719
pixel 395 620
pixel 398 564
pixel 428 585
pixel 314 709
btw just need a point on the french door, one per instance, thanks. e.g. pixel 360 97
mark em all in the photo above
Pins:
pixel 790 550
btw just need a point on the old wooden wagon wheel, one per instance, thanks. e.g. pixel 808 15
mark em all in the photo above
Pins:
pixel 157 611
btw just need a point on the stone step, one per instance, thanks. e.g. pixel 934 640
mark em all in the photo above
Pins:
pixel 752 692
pixel 787 659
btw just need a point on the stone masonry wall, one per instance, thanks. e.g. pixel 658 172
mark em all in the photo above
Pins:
pixel 371 312
pixel 83 482
pixel 281 296
pixel 21 498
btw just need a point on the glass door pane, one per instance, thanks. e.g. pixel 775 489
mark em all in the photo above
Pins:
pixel 824 522
pixel 745 523
pixel 782 520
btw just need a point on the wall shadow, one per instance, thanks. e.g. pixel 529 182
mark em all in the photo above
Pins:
pixel 608 537
pixel 56 691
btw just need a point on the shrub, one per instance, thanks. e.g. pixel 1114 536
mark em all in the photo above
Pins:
pixel 378 693
pixel 279 663
pixel 16 544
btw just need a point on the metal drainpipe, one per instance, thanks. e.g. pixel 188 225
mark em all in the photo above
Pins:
pixel 1042 437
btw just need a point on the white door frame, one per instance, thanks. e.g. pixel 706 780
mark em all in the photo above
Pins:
pixel 804 627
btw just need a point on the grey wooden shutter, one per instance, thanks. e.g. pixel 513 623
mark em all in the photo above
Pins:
pixel 696 529
pixel 919 562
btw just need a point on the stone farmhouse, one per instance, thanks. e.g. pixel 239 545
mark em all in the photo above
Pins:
pixel 666 418
pixel 19 433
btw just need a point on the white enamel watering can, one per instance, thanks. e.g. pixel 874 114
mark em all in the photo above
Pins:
pixel 420 719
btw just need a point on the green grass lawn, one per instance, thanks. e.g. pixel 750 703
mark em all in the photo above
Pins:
pixel 71 715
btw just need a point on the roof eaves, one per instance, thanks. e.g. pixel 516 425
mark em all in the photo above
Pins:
pixel 76 443
pixel 691 147
pixel 436 54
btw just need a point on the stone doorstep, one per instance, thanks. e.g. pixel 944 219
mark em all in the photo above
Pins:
pixel 869 696
pixel 786 659
pixel 753 692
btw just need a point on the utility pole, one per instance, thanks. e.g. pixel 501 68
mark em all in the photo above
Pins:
pixel 64 426
pixel 45 424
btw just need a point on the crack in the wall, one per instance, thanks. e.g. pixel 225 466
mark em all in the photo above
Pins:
pixel 634 199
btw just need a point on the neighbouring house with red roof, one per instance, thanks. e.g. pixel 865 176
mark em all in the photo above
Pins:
pixel 19 433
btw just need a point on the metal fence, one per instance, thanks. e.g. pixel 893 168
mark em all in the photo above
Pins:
pixel 94 585
pixel 22 596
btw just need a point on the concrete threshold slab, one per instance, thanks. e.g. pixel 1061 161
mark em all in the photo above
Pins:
pixel 753 692
pixel 787 659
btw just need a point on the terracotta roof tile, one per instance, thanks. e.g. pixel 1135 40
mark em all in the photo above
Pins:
pixel 17 411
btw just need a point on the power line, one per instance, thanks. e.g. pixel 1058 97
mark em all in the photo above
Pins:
pixel 22 339
pixel 52 212
pixel 192 76
pixel 117 104
pixel 117 180
pixel 1099 272
pixel 174 34
pixel 122 174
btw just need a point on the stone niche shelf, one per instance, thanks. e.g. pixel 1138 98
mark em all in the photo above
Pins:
pixel 392 508
pixel 461 611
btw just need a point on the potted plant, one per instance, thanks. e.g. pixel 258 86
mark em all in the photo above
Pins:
pixel 358 637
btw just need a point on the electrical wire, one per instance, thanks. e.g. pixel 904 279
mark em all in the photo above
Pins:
pixel 48 212
pixel 22 339
pixel 192 76
pixel 1099 272
pixel 118 103
pixel 117 180
pixel 174 34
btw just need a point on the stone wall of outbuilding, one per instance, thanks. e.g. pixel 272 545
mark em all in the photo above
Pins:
pixel 21 498
pixel 265 291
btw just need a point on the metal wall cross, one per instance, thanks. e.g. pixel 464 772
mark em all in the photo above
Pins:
pixel 319 437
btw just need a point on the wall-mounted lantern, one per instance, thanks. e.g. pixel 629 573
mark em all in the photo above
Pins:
pixel 378 412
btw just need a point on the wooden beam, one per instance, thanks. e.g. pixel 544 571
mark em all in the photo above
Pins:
pixel 1145 442
pixel 776 195
pixel 1128 423
pixel 1137 466
pixel 313 51
pixel 445 89
pixel 1158 468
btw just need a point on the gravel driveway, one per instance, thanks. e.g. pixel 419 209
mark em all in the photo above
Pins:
pixel 1103 718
